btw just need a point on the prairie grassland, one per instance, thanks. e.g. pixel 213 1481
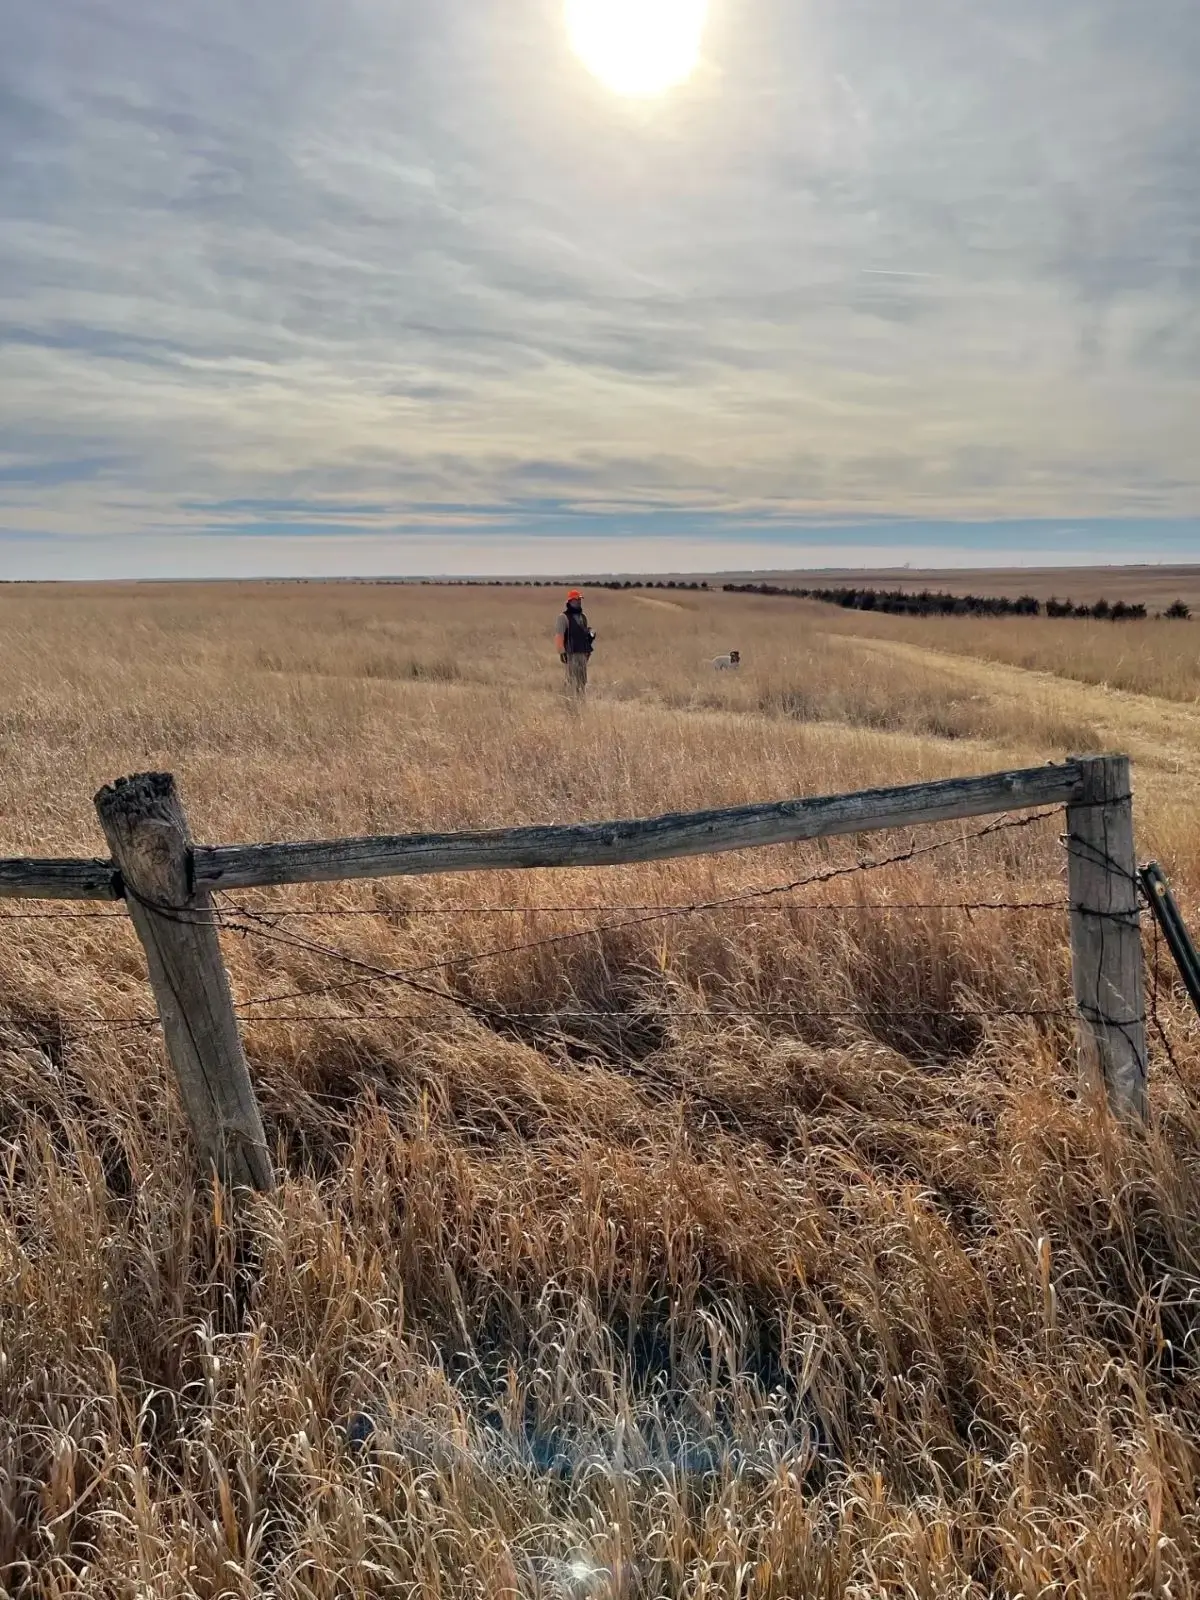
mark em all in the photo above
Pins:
pixel 770 1251
pixel 1156 658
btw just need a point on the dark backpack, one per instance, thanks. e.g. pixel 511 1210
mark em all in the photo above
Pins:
pixel 579 636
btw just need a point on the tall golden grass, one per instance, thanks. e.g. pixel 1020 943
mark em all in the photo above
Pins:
pixel 1154 657
pixel 756 1274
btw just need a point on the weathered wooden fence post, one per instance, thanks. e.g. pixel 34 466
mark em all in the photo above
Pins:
pixel 144 822
pixel 1106 938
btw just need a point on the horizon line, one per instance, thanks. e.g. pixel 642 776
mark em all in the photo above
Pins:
pixel 464 580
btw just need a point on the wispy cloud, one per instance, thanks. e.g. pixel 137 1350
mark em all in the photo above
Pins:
pixel 395 264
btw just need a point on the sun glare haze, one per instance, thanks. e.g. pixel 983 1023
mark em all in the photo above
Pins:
pixel 638 47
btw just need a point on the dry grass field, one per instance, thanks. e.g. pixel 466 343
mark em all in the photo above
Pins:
pixel 766 1252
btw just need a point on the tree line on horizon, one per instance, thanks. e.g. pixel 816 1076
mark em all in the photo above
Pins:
pixel 936 603
pixel 895 602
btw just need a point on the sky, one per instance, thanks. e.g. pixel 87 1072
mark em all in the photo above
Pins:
pixel 396 286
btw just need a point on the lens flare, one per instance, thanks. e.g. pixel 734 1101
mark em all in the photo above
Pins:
pixel 582 1579
pixel 638 47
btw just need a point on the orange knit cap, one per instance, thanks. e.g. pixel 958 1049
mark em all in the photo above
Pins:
pixel 574 595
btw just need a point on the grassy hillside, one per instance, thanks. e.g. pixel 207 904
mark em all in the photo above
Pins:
pixel 768 1251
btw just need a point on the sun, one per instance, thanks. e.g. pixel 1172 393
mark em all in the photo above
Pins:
pixel 638 47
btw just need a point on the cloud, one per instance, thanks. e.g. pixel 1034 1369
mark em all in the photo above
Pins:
pixel 934 262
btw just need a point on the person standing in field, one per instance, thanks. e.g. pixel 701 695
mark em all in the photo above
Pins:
pixel 575 641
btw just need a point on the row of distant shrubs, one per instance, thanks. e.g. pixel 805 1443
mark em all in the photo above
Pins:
pixel 926 603
pixel 930 603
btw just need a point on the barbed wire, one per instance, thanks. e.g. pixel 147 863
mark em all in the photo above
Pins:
pixel 265 925
pixel 1099 857
pixel 80 1027
pixel 403 913
pixel 284 913
pixel 654 1014
pixel 259 925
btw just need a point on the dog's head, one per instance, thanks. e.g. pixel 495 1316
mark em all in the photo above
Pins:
pixel 735 657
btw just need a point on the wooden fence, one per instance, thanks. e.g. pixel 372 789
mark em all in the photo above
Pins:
pixel 167 881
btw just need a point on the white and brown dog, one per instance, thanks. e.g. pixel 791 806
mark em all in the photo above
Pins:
pixel 729 663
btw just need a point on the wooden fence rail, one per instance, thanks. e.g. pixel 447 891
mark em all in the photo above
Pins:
pixel 59 880
pixel 166 881
pixel 611 844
